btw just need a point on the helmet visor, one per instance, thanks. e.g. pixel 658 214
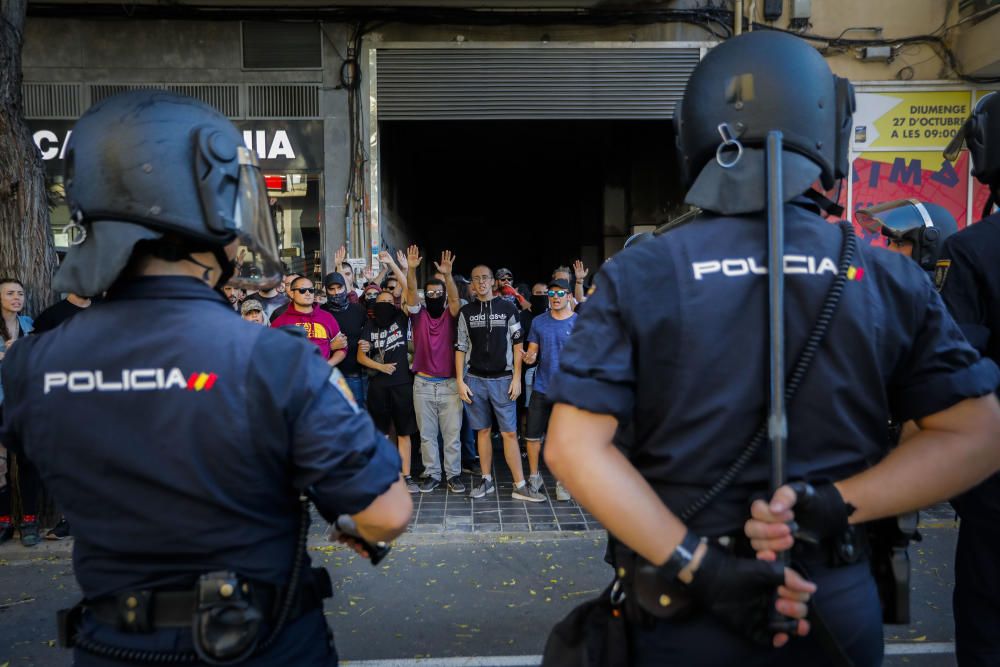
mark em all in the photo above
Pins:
pixel 895 218
pixel 257 264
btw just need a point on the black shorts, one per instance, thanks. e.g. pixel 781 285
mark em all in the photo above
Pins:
pixel 539 411
pixel 392 405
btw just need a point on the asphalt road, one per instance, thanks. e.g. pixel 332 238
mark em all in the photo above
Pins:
pixel 455 600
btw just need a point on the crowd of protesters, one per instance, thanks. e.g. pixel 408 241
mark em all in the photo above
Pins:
pixel 453 361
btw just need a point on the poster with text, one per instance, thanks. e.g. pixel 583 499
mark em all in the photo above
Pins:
pixel 899 137
pixel 879 177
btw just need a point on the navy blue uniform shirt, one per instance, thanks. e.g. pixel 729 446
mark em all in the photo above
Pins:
pixel 968 275
pixel 175 436
pixel 674 344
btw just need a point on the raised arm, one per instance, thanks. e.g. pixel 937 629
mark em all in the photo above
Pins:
pixel 444 267
pixel 580 272
pixel 413 259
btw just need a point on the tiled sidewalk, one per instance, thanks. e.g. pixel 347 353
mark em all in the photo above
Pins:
pixel 441 511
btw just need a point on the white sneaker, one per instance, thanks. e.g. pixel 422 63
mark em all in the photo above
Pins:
pixel 561 492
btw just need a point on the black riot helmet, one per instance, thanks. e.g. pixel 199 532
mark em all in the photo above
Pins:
pixel 981 133
pixel 744 88
pixel 923 224
pixel 168 170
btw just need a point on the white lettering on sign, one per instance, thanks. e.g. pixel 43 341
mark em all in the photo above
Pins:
pixel 268 145
pixel 279 147
pixel 49 145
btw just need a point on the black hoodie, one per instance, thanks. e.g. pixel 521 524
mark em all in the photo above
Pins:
pixel 487 333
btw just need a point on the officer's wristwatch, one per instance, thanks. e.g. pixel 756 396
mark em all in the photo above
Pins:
pixel 681 557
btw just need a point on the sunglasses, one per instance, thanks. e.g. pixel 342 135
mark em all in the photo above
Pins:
pixel 304 290
pixel 557 293
pixel 433 293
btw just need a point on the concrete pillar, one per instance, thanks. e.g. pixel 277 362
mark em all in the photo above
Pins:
pixel 336 140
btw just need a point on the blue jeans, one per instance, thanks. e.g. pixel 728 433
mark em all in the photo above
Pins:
pixel 439 410
pixel 469 452
pixel 359 387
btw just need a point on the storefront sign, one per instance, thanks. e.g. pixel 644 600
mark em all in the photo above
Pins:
pixel 281 146
pixel 909 120
pixel 897 146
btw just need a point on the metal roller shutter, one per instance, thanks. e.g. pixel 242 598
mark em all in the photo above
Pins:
pixel 531 83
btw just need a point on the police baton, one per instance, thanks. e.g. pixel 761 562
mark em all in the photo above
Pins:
pixel 777 422
pixel 345 527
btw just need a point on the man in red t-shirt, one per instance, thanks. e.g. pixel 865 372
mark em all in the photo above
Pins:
pixel 319 325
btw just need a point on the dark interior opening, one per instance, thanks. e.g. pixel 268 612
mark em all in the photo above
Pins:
pixel 526 195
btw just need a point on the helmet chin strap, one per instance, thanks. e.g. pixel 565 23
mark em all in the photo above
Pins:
pixel 227 267
pixel 208 269
pixel 827 205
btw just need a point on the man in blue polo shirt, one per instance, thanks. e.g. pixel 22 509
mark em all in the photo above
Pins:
pixel 549 332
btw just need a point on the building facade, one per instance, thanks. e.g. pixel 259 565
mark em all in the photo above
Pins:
pixel 509 134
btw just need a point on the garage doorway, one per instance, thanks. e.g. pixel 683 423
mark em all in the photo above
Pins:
pixel 521 155
pixel 527 195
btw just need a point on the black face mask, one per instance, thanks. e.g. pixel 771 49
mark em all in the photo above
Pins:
pixel 337 302
pixel 539 304
pixel 385 313
pixel 435 306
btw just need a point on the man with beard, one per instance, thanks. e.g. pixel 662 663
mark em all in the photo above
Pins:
pixel 232 294
pixel 272 299
pixel 435 392
pixel 321 329
pixel 351 318
pixel 390 391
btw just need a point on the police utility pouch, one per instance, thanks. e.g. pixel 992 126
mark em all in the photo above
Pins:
pixel 656 597
pixel 226 624
pixel 592 635
pixel 890 562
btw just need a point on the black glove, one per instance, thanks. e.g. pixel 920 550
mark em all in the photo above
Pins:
pixel 344 527
pixel 820 512
pixel 738 591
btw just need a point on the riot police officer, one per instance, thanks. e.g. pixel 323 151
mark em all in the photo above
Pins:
pixel 911 227
pixel 968 276
pixel 686 369
pixel 178 438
